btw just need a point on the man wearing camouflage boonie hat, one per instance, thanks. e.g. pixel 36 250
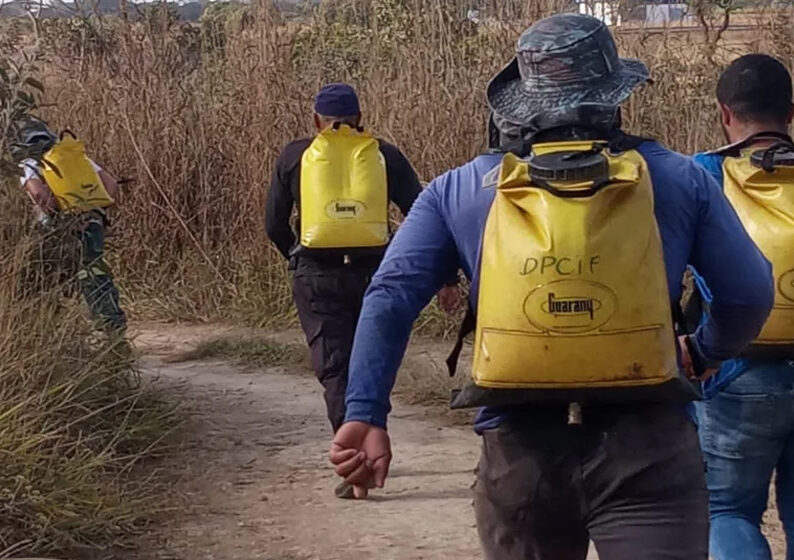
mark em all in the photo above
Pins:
pixel 627 475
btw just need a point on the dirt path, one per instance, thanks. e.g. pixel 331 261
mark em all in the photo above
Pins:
pixel 254 480
pixel 257 484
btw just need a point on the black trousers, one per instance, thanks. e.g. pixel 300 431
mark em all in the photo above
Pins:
pixel 630 478
pixel 329 298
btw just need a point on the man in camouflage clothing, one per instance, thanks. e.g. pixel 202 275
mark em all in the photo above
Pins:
pixel 72 245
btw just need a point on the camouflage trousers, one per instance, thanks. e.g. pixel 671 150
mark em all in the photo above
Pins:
pixel 70 256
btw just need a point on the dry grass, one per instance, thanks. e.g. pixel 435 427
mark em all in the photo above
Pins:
pixel 75 421
pixel 254 351
pixel 424 380
pixel 196 116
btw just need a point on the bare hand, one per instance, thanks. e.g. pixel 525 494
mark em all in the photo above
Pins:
pixel 361 454
pixel 450 299
pixel 688 364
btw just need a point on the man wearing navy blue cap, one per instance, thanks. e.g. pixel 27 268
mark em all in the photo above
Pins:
pixel 329 285
pixel 339 100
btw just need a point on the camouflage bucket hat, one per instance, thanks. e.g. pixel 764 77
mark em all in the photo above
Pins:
pixel 30 138
pixel 563 64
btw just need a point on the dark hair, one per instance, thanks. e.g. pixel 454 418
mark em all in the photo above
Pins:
pixel 756 87
pixel 352 120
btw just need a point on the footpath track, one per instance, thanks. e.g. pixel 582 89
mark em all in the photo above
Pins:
pixel 252 482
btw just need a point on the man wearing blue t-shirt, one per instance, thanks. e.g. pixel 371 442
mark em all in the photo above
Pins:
pixel 746 425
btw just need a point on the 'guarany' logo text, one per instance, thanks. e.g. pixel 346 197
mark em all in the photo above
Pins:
pixel 570 306
pixel 345 209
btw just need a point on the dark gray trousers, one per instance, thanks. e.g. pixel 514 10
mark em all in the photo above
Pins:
pixel 631 478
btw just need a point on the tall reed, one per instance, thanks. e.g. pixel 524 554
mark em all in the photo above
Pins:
pixel 196 115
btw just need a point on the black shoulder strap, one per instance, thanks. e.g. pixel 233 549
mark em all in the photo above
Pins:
pixel 494 135
pixel 618 141
pixel 736 148
pixel 698 366
pixel 338 124
pixel 768 154
pixel 683 329
pixel 679 319
pixel 520 147
pixel 466 328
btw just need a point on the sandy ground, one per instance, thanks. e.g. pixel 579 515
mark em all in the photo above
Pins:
pixel 253 482
pixel 256 483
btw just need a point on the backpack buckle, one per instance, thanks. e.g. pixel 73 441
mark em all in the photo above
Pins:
pixel 575 414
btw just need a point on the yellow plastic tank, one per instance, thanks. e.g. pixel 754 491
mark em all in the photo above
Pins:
pixel 344 191
pixel 573 288
pixel 765 204
pixel 72 178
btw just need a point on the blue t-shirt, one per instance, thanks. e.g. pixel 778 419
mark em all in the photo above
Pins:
pixel 711 163
pixel 443 233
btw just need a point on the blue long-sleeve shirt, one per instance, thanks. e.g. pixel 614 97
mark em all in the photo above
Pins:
pixel 730 369
pixel 443 232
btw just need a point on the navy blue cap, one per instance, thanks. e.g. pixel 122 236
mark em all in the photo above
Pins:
pixel 337 100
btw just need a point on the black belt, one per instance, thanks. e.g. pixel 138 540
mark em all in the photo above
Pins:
pixel 338 260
